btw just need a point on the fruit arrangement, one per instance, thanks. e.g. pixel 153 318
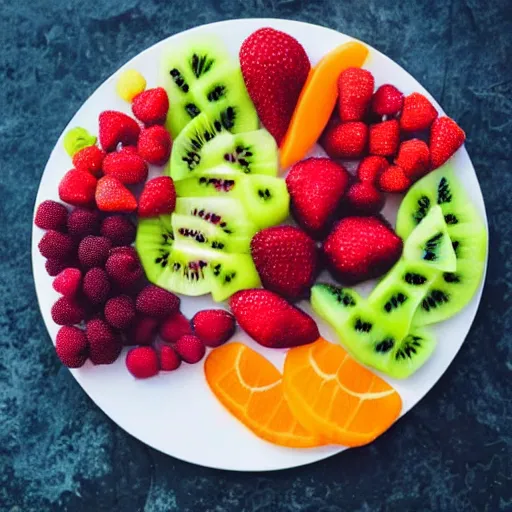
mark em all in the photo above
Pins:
pixel 229 142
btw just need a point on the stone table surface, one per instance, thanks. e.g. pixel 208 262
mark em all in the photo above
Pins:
pixel 58 451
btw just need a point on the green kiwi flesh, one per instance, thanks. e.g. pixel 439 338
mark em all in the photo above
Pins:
pixel 430 243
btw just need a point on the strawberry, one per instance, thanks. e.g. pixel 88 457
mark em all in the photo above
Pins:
pixel 126 165
pixel 213 326
pixel 371 167
pixel 51 215
pixel 71 346
pixel 142 362
pixel 414 158
pixel 384 138
pixel 117 128
pixel 174 327
pixel 155 145
pixel 363 199
pixel 151 106
pixel 316 186
pixel 169 359
pixel 271 320
pixel 387 101
pixel 446 137
pixel 394 179
pixel 417 113
pixel 355 89
pixel 77 188
pixel 345 140
pixel 68 282
pixel 286 260
pixel 158 197
pixel 89 159
pixel 190 348
pixel 113 196
pixel 361 248
pixel 275 68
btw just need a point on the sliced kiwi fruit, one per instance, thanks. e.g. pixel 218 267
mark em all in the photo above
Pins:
pixel 430 243
pixel 189 228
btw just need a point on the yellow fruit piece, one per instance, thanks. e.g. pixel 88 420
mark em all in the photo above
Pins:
pixel 129 84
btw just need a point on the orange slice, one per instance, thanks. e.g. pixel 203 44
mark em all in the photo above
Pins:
pixel 251 388
pixel 337 398
pixel 317 100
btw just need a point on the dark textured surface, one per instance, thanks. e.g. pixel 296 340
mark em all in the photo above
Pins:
pixel 58 451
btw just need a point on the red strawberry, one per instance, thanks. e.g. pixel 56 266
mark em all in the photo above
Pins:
pixel 158 197
pixel 83 222
pixel 361 248
pixel 316 186
pixel 51 215
pixel 271 320
pixel 414 158
pixel 213 326
pixel 124 269
pixel 371 167
pixel 446 137
pixel 117 128
pixel 384 138
pixel 394 179
pixel 104 343
pixel 56 246
pixel 355 89
pixel 126 165
pixel 71 346
pixel 174 327
pixel 113 196
pixel 119 230
pixel 190 348
pixel 93 251
pixel 151 106
pixel 364 199
pixel 77 188
pixel 417 113
pixel 169 359
pixel 120 311
pixel 67 311
pixel 68 282
pixel 275 68
pixel 157 302
pixel 286 260
pixel 96 285
pixel 89 159
pixel 143 331
pixel 154 145
pixel 142 362
pixel 345 140
pixel 387 101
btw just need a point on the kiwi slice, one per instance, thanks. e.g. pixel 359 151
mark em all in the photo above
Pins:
pixel 204 233
pixel 264 198
pixel 430 243
pixel 329 301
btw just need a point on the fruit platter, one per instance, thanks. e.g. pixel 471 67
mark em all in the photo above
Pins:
pixel 259 243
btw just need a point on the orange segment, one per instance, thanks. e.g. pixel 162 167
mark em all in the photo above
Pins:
pixel 337 398
pixel 317 100
pixel 251 388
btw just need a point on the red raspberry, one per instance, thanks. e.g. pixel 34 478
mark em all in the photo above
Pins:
pixel 71 346
pixel 119 230
pixel 154 145
pixel 51 215
pixel 190 348
pixel 174 327
pixel 120 311
pixel 142 362
pixel 83 222
pixel 169 359
pixel 93 251
pixel 214 326
pixel 56 246
pixel 143 331
pixel 89 159
pixel 68 282
pixel 104 343
pixel 124 268
pixel 96 285
pixel 157 302
pixel 67 311
pixel 55 267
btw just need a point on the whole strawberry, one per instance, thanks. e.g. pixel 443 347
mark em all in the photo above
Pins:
pixel 151 106
pixel 77 188
pixel 355 89
pixel 113 196
pixel 316 186
pixel 271 320
pixel 417 113
pixel 169 359
pixel 394 180
pixel 414 158
pixel 363 198
pixel 384 138
pixel 126 165
pixel 446 137
pixel 117 128
pixel 89 159
pixel 286 260
pixel 142 362
pixel 371 167
pixel 154 145
pixel 275 67
pixel 361 248
pixel 213 326
pixel 387 101
pixel 345 140
pixel 158 197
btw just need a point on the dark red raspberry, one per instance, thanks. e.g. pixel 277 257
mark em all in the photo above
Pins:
pixel 67 311
pixel 56 246
pixel 120 311
pixel 83 222
pixel 71 346
pixel 157 302
pixel 104 343
pixel 93 251
pixel 96 285
pixel 119 230
pixel 51 215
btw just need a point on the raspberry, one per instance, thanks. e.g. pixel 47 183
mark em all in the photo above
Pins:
pixel 142 362
pixel 104 343
pixel 120 311
pixel 213 326
pixel 56 246
pixel 83 222
pixel 93 251
pixel 174 327
pixel 119 230
pixel 157 302
pixel 71 346
pixel 68 282
pixel 55 267
pixel 51 215
pixel 124 268
pixel 190 348
pixel 67 311
pixel 143 331
pixel 169 359
pixel 96 285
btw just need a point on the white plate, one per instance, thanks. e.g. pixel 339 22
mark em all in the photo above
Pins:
pixel 176 413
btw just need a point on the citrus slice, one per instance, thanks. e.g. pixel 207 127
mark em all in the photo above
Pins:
pixel 317 100
pixel 335 397
pixel 251 389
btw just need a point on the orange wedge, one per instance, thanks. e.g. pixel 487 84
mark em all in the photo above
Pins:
pixel 251 388
pixel 317 100
pixel 335 397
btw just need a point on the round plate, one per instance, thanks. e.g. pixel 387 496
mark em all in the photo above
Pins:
pixel 175 412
